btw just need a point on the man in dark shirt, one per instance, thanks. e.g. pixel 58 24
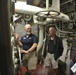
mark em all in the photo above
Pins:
pixel 53 50
pixel 29 44
pixel 73 55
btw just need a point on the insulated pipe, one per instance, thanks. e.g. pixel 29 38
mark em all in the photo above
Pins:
pixel 66 2
pixel 41 31
pixel 47 4
pixel 22 7
pixel 56 5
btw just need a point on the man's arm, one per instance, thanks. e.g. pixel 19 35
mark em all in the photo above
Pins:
pixel 19 43
pixel 33 47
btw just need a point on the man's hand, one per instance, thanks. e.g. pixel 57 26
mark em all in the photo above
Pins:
pixel 17 39
pixel 23 51
pixel 16 36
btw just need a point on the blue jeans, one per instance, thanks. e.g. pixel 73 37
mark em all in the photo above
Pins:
pixel 71 64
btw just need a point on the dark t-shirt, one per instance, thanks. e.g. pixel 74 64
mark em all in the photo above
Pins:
pixel 51 46
pixel 28 41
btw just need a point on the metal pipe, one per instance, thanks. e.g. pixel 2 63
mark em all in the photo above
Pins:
pixel 66 2
pixel 47 4
pixel 56 5
pixel 22 7
pixel 41 31
pixel 12 29
pixel 63 31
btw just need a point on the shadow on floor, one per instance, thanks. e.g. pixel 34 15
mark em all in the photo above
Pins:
pixel 39 71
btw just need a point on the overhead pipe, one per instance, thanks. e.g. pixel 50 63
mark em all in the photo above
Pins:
pixel 22 7
pixel 47 4
pixel 56 5
pixel 66 2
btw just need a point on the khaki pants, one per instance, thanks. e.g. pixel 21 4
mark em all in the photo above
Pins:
pixel 30 60
pixel 50 61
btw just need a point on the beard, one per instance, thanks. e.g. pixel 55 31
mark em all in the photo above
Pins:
pixel 28 33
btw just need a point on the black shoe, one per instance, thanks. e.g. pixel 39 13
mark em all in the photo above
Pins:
pixel 27 73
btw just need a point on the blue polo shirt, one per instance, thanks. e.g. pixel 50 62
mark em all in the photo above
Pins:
pixel 28 41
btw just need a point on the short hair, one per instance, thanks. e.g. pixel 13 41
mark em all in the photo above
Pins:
pixel 47 29
pixel 52 26
pixel 27 24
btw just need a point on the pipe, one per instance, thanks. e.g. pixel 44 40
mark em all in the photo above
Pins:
pixel 66 2
pixel 12 29
pixel 47 4
pixel 41 31
pixel 22 7
pixel 63 31
pixel 56 5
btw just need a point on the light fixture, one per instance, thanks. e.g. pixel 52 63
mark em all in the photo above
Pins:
pixel 48 13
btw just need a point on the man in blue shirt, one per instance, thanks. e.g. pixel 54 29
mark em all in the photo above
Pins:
pixel 29 44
